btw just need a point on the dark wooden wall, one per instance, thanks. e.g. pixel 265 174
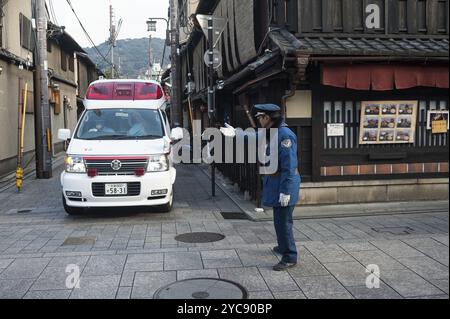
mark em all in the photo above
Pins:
pixel 305 17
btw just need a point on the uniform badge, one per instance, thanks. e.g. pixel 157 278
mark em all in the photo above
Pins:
pixel 287 143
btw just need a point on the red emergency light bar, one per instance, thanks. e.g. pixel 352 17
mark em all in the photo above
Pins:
pixel 135 91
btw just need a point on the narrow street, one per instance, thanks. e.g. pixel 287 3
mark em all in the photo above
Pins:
pixel 133 253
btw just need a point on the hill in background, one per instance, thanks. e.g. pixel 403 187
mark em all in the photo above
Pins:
pixel 132 54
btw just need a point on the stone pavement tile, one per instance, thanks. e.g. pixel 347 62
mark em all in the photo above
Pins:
pixel 127 279
pixel 442 239
pixel 260 295
pixel 219 254
pixel 441 284
pixel 350 273
pixel 431 297
pixel 357 246
pixel 182 261
pixel 257 257
pixel 192 274
pixel 307 265
pixel 440 254
pixel 250 278
pixel 331 254
pixel 156 258
pixel 26 268
pixel 396 248
pixel 104 265
pixel 322 287
pixel 384 292
pixel 222 263
pixel 96 287
pixel 124 293
pixel 14 289
pixel 423 242
pixel 48 294
pixel 278 280
pixel 425 267
pixel 63 262
pixel 53 278
pixel 145 266
pixel 408 284
pixel 147 283
pixel 289 295
pixel 376 257
pixel 5 263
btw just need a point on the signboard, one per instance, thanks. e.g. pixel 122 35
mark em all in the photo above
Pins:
pixel 219 25
pixel 437 121
pixel 336 129
pixel 388 122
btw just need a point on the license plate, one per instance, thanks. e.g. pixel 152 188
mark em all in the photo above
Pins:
pixel 116 189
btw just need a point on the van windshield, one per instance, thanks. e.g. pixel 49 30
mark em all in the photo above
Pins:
pixel 120 124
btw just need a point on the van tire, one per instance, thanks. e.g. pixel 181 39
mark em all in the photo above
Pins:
pixel 73 211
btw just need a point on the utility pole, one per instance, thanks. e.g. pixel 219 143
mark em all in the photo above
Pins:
pixel 175 112
pixel 112 37
pixel 42 108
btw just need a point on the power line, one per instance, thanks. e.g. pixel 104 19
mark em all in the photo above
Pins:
pixel 87 34
pixel 52 10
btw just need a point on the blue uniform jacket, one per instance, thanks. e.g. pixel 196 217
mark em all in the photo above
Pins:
pixel 287 179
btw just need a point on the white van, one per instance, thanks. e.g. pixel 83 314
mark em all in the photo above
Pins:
pixel 120 152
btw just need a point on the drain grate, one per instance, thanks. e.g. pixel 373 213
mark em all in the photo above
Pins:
pixel 199 238
pixel 24 211
pixel 395 230
pixel 78 241
pixel 202 288
pixel 234 215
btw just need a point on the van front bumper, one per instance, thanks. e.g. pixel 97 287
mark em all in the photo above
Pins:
pixel 83 192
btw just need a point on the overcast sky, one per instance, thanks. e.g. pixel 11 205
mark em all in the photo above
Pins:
pixel 94 14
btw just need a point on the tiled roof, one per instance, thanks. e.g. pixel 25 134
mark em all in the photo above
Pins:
pixel 361 46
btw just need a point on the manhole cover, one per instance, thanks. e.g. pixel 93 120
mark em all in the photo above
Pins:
pixel 199 238
pixel 234 215
pixel 78 241
pixel 202 288
pixel 395 230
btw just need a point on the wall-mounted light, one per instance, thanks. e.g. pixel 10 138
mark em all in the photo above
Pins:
pixel 1 70
pixel 55 87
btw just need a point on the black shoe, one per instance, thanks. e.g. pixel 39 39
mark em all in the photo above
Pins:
pixel 276 250
pixel 283 266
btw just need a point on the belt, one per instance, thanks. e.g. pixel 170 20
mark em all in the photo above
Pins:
pixel 294 172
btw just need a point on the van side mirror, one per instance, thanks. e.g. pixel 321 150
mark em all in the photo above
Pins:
pixel 64 134
pixel 177 134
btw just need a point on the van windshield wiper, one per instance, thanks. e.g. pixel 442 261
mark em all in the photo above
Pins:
pixel 147 137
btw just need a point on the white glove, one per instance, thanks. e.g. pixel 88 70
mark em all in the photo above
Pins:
pixel 284 200
pixel 228 130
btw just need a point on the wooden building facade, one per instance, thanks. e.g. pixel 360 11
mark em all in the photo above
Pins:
pixel 363 83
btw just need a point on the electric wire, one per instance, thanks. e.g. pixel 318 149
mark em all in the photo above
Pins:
pixel 87 35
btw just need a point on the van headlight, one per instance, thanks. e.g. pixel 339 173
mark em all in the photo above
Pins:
pixel 158 163
pixel 74 164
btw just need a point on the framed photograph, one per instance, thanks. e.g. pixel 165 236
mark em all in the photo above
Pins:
pixel 434 116
pixel 388 122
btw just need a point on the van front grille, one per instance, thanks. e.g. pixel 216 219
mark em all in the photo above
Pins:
pixel 127 166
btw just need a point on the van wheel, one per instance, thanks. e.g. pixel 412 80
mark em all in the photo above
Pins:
pixel 167 207
pixel 73 211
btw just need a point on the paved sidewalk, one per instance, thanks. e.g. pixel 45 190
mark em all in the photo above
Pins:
pixel 328 211
pixel 132 253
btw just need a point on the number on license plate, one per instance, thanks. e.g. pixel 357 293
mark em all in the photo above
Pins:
pixel 115 189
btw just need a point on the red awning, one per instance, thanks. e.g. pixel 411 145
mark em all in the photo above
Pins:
pixel 385 77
